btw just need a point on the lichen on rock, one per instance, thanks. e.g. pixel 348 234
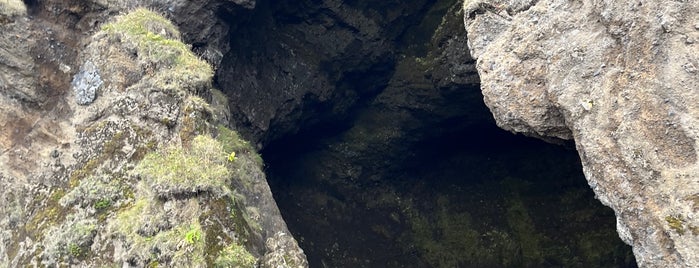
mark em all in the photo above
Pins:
pixel 617 78
pixel 147 183
pixel 86 83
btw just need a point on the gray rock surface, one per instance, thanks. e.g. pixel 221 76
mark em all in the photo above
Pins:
pixel 70 195
pixel 86 83
pixel 620 78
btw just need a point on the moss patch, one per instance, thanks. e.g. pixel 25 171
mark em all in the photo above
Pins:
pixel 677 224
pixel 187 171
pixel 235 256
pixel 155 41
pixel 232 142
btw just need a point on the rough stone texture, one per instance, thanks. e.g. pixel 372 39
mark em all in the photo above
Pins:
pixel 429 94
pixel 310 61
pixel 618 77
pixel 283 250
pixel 85 83
pixel 66 176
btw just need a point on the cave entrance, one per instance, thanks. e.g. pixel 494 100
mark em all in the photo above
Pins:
pixel 397 162
pixel 478 197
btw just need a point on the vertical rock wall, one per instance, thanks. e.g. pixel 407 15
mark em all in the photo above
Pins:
pixel 621 79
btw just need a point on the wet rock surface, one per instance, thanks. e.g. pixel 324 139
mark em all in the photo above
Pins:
pixel 618 79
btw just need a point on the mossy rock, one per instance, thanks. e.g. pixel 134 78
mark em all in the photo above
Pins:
pixel 155 41
pixel 235 256
pixel 181 172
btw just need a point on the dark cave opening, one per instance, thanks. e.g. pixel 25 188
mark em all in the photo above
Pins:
pixel 390 157
pixel 480 197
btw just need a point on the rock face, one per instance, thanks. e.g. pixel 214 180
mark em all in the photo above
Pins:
pixel 620 79
pixel 130 164
pixel 310 61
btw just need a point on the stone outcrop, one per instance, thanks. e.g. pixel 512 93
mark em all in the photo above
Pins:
pixel 116 150
pixel 620 79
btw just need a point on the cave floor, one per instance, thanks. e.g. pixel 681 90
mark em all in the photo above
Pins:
pixel 486 200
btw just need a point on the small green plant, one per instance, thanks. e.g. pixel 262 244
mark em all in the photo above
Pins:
pixel 74 250
pixel 193 235
pixel 231 157
pixel 103 203
pixel 232 142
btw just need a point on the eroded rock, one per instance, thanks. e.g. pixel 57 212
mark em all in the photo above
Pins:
pixel 83 185
pixel 616 77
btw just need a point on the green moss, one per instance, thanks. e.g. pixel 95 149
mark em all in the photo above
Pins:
pixel 129 218
pixel 72 238
pixel 232 142
pixel 103 203
pixel 194 234
pixel 158 47
pixel 200 168
pixel 676 224
pixel 75 250
pixel 524 230
pixel 235 255
pixel 44 217
pixel 86 170
pixel 57 194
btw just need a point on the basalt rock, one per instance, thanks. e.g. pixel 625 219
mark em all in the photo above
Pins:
pixel 310 61
pixel 116 149
pixel 620 79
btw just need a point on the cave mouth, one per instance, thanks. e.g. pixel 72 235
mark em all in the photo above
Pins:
pixel 401 164
pixel 480 197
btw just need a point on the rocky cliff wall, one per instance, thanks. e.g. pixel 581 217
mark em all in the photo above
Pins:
pixel 116 149
pixel 620 79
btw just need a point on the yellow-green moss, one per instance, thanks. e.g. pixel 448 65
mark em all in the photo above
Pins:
pixel 200 168
pixel 235 255
pixel 676 224
pixel 222 211
pixel 232 142
pixel 181 245
pixel 156 40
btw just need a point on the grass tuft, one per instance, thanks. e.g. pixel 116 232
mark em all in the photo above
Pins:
pixel 156 43
pixel 187 171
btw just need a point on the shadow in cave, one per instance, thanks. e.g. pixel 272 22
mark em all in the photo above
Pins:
pixel 481 197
